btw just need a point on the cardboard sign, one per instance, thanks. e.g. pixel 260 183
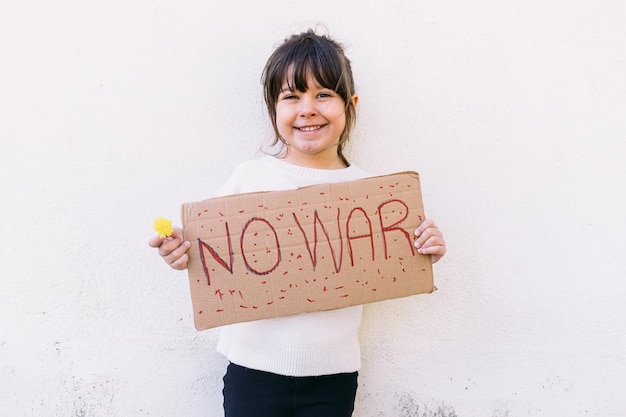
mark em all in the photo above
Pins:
pixel 269 254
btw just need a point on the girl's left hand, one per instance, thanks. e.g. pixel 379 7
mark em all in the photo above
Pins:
pixel 430 240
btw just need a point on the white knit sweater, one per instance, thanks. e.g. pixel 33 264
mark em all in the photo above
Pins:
pixel 308 344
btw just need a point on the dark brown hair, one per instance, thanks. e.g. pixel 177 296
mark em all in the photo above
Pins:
pixel 321 57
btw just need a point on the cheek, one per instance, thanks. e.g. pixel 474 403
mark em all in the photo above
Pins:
pixel 283 117
pixel 341 122
pixel 283 128
pixel 338 113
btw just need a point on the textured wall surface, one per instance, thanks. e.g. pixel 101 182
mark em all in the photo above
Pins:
pixel 513 112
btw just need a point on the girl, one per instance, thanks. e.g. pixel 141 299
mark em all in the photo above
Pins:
pixel 304 365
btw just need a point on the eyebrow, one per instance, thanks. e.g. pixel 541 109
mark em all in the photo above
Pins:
pixel 286 88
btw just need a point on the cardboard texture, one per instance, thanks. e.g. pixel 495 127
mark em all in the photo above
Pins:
pixel 269 254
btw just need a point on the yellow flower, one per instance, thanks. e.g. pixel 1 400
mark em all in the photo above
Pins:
pixel 163 227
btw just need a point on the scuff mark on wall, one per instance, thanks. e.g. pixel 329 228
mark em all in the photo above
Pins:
pixel 86 396
pixel 501 413
pixel 409 406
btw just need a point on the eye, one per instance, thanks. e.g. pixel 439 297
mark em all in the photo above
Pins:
pixel 324 94
pixel 289 96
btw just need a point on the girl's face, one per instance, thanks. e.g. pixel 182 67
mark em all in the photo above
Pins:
pixel 311 124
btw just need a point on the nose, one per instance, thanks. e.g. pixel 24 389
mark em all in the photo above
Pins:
pixel 307 106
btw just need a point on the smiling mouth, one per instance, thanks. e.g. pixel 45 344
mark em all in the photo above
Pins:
pixel 309 128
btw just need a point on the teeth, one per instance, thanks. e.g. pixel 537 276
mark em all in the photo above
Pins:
pixel 309 128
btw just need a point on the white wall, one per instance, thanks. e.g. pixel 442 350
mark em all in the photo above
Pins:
pixel 115 112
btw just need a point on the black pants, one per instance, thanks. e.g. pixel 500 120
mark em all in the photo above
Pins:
pixel 251 393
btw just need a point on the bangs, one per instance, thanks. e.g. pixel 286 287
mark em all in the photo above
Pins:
pixel 310 57
pixel 322 64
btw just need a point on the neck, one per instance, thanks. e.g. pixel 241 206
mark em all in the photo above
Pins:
pixel 314 161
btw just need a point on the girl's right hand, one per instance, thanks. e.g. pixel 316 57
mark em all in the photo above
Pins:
pixel 172 249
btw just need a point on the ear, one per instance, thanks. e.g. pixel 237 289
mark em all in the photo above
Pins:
pixel 355 99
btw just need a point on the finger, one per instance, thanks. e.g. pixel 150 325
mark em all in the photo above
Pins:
pixel 180 263
pixel 425 225
pixel 155 241
pixel 168 245
pixel 426 235
pixel 433 246
pixel 176 253
pixel 435 252
pixel 431 240
pixel 171 243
